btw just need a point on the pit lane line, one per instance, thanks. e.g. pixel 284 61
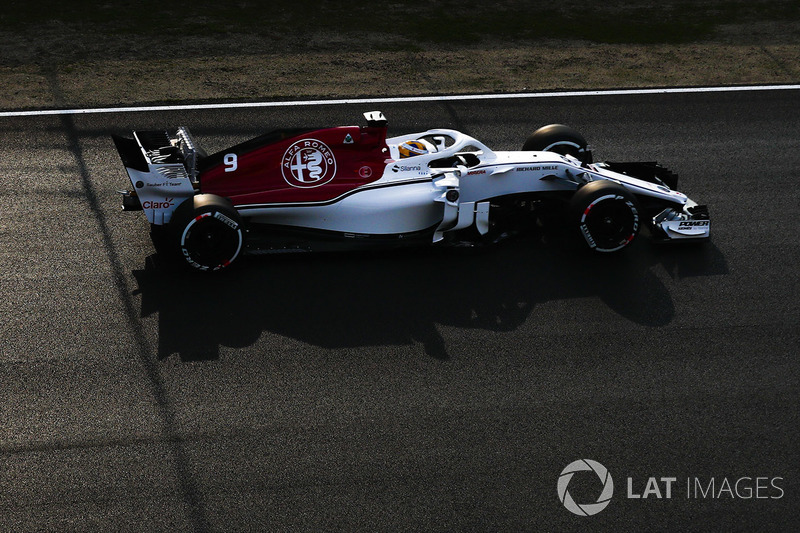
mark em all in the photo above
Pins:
pixel 405 99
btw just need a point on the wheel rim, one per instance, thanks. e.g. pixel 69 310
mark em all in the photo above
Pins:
pixel 610 223
pixel 565 148
pixel 211 241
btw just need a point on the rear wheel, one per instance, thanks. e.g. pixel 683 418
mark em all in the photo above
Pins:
pixel 209 232
pixel 606 215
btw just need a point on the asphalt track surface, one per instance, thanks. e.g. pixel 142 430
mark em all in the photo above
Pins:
pixel 423 390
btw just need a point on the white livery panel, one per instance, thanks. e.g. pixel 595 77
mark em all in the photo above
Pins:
pixel 382 210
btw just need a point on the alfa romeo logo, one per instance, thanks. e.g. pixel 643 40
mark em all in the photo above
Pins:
pixel 585 509
pixel 308 163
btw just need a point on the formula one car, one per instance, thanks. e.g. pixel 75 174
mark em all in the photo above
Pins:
pixel 352 187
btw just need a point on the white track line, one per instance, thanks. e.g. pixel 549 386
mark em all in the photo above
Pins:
pixel 195 107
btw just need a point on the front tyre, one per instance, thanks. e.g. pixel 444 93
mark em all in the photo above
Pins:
pixel 560 139
pixel 209 232
pixel 606 215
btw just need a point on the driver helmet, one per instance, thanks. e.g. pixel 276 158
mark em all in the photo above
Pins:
pixel 412 149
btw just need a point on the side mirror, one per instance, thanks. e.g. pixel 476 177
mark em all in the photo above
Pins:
pixel 375 119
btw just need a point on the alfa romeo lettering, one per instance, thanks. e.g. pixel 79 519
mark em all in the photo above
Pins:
pixel 308 163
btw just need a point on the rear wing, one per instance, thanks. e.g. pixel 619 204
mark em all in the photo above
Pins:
pixel 158 148
pixel 162 171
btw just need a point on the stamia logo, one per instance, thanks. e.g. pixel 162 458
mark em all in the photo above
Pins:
pixel 585 509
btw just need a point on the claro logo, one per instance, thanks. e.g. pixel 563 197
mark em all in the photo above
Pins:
pixel 166 204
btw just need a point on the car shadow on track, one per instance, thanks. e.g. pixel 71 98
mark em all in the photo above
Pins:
pixel 397 298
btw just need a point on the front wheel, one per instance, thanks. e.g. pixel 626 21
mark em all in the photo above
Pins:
pixel 560 139
pixel 209 232
pixel 606 215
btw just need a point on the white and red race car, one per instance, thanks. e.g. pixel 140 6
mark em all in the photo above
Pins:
pixel 352 187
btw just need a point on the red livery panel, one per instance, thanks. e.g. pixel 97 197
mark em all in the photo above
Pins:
pixel 315 166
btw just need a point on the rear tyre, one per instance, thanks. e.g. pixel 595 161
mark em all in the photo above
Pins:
pixel 606 216
pixel 208 231
pixel 560 139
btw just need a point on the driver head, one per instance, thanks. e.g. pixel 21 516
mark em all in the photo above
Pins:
pixel 412 149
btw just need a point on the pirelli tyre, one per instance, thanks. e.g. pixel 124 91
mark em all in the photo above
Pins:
pixel 208 231
pixel 560 139
pixel 606 215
